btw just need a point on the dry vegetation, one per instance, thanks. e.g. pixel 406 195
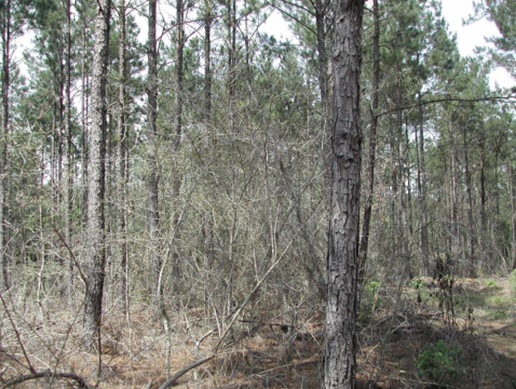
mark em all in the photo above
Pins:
pixel 270 349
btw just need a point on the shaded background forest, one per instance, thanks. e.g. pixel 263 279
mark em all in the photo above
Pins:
pixel 216 152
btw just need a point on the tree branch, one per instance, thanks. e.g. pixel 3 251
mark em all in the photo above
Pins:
pixel 294 18
pixel 81 382
pixel 172 380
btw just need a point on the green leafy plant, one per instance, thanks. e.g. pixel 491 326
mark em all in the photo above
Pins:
pixel 439 362
pixel 372 287
pixel 416 283
pixel 369 301
pixel 490 282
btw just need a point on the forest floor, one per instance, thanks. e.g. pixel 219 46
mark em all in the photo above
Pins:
pixel 428 334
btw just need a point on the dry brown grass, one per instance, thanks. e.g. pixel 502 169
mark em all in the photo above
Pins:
pixel 270 352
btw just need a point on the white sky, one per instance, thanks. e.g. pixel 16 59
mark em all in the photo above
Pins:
pixel 455 11
pixel 472 35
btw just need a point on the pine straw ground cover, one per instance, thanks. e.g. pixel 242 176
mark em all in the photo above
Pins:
pixel 406 340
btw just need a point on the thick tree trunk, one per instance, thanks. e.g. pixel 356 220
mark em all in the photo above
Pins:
pixel 341 309
pixel 95 245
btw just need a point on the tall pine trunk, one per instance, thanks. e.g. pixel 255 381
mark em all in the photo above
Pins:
pixel 4 170
pixel 208 19
pixel 153 175
pixel 341 308
pixel 95 245
pixel 421 176
pixel 121 165
pixel 364 240
pixel 68 183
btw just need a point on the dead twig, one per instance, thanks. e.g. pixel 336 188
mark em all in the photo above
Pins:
pixel 18 336
pixel 81 382
pixel 172 380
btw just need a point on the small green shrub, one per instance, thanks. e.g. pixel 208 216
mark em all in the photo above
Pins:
pixel 416 283
pixel 372 287
pixel 439 362
pixel 369 301
pixel 490 283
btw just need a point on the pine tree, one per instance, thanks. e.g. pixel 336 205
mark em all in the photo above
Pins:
pixel 341 308
pixel 95 251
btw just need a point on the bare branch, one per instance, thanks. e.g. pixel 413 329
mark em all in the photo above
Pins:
pixel 81 382
pixel 294 18
pixel 172 380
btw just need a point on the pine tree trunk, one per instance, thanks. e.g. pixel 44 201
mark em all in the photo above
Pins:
pixel 368 208
pixel 421 179
pixel 208 18
pixel 483 203
pixel 95 246
pixel 4 169
pixel 512 194
pixel 68 191
pixel 121 166
pixel 454 203
pixel 341 309
pixel 153 175
pixel 178 112
pixel 320 20
pixel 471 227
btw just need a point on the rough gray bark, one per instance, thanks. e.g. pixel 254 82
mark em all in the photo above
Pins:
pixel 178 112
pixel 153 175
pixel 471 226
pixel 320 8
pixel 208 19
pixel 4 181
pixel 179 75
pixel 121 164
pixel 341 309
pixel 368 209
pixel 68 191
pixel 95 245
pixel 512 194
pixel 421 179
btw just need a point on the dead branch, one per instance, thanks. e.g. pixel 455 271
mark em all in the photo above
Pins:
pixel 283 326
pixel 18 336
pixel 81 382
pixel 172 380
